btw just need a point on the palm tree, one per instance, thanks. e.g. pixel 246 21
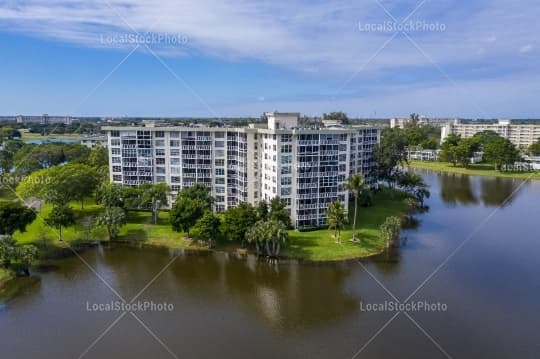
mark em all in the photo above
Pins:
pixel 336 218
pixel 391 229
pixel 355 184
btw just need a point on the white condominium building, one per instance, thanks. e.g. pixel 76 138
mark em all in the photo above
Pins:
pixel 304 166
pixel 422 121
pixel 521 135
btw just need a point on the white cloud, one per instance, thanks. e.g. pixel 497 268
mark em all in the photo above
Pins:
pixel 526 49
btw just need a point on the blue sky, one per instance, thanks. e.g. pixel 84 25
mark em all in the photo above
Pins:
pixel 215 58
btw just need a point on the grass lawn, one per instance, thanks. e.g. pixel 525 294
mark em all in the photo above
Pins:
pixel 480 169
pixel 320 245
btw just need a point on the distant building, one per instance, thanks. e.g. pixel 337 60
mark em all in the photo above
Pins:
pixel 423 155
pixel 91 141
pixel 422 121
pixel 45 119
pixel 521 135
pixel 306 167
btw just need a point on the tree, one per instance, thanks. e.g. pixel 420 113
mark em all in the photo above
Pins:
pixel 389 154
pixel 501 153
pixel 98 157
pixel 112 218
pixel 186 212
pixel 415 185
pixel 26 255
pixel 14 216
pixel 207 228
pixel 279 212
pixel 76 180
pixel 448 149
pixel 355 184
pixel 7 250
pixel 110 195
pixel 534 149
pixel 155 196
pixel 268 234
pixel 199 192
pixel 237 220
pixel 336 116
pixel 60 216
pixel 262 210
pixel 336 218
pixel 390 230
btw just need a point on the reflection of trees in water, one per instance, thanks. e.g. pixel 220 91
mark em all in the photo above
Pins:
pixel 287 295
pixel 388 261
pixel 456 189
pixel 495 191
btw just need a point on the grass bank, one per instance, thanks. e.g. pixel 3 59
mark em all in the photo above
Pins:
pixel 27 136
pixel 5 276
pixel 480 169
pixel 316 245
pixel 320 245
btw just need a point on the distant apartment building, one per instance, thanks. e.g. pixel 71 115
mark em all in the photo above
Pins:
pixel 91 141
pixel 521 135
pixel 422 121
pixel 306 167
pixel 45 119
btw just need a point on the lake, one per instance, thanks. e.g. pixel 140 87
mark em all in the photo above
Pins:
pixel 477 247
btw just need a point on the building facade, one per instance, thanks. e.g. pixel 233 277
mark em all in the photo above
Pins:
pixel 306 167
pixel 521 135
pixel 422 121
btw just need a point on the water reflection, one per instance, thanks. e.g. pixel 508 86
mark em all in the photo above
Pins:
pixel 465 190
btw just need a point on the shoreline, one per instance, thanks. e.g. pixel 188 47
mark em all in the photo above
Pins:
pixel 484 170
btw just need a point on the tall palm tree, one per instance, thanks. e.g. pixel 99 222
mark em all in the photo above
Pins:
pixel 355 184
pixel 336 218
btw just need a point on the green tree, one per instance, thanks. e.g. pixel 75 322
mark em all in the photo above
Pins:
pixel 198 192
pixel 534 149
pixel 270 234
pixel 355 184
pixel 25 256
pixel 501 153
pixel 262 210
pixel 336 219
pixel 237 220
pixel 14 216
pixel 279 211
pixel 389 154
pixel 112 218
pixel 155 196
pixel 336 116
pixel 186 212
pixel 390 230
pixel 207 228
pixel 110 195
pixel 74 181
pixel 7 250
pixel 60 216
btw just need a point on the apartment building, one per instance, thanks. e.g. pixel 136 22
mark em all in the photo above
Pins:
pixel 305 166
pixel 422 121
pixel 45 119
pixel 521 135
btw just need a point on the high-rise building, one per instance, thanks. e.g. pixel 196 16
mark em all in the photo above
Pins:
pixel 306 167
pixel 521 135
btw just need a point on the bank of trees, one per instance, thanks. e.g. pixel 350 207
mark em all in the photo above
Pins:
pixel 499 151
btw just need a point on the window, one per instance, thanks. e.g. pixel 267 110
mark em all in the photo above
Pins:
pixel 220 171
pixel 175 170
pixel 219 143
pixel 160 170
pixel 286 181
pixel 175 152
pixel 117 178
pixel 160 179
pixel 175 179
pixel 117 168
pixel 220 198
pixel 115 142
pixel 286 148
pixel 115 133
pixel 160 143
pixel 160 152
pixel 175 143
pixel 160 161
pixel 220 153
pixel 115 151
pixel 175 161
pixel 285 170
pixel 220 189
pixel 286 191
pixel 160 134
pixel 220 163
pixel 174 134
pixel 220 180
pixel 116 160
